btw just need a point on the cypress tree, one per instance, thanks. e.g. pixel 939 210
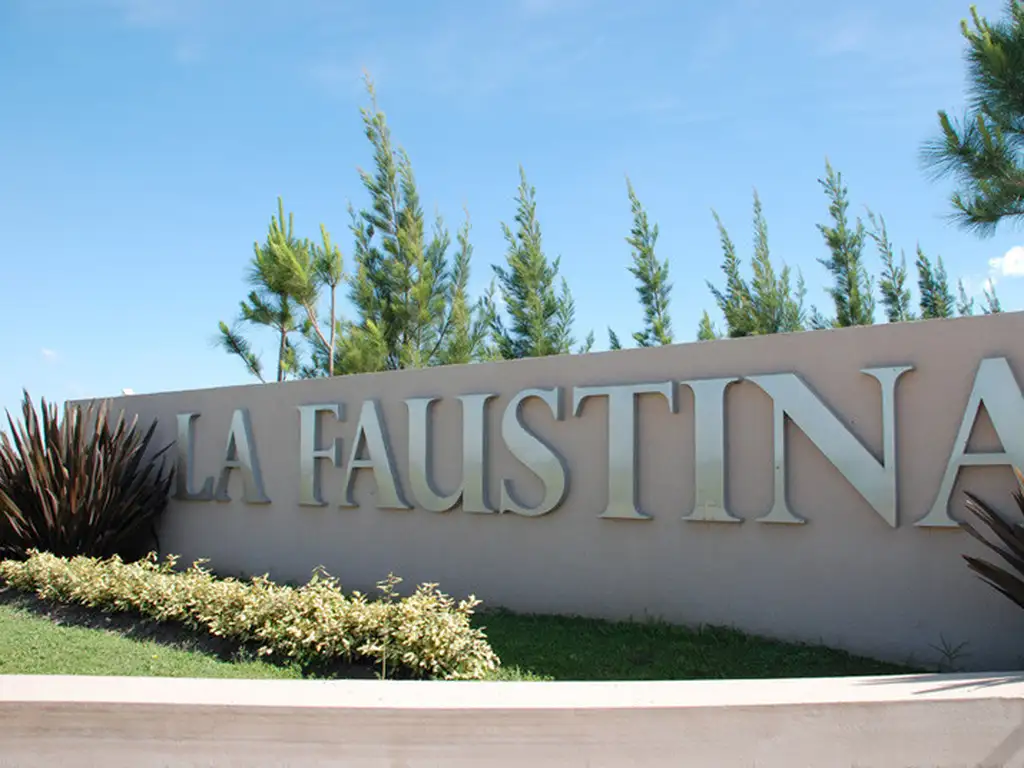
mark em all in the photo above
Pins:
pixel 893 280
pixel 652 281
pixel 706 331
pixel 769 303
pixel 405 292
pixel 540 317
pixel 467 330
pixel 734 300
pixel 964 304
pixel 936 298
pixel 851 289
pixel 992 305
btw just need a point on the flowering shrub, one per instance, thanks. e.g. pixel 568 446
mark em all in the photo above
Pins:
pixel 427 634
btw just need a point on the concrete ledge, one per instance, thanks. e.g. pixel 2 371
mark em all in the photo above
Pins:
pixel 920 720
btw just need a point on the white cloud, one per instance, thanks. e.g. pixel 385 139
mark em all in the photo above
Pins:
pixel 48 354
pixel 1010 264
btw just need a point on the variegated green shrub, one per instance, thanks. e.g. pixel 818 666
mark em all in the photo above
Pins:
pixel 426 634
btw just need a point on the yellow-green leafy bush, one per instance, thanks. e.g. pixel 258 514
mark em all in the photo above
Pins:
pixel 427 634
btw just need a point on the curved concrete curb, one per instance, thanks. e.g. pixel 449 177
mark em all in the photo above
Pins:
pixel 920 720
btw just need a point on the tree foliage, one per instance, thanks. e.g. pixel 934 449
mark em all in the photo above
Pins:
pixel 410 297
pixel 936 299
pixel 981 151
pixel 851 289
pixel 403 288
pixel 652 281
pixel 270 303
pixel 768 302
pixel 408 291
pixel 537 302
pixel 892 283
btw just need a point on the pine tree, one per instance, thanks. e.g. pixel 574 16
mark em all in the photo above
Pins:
pixel 851 290
pixel 982 152
pixel 768 303
pixel 270 303
pixel 307 269
pixel 893 281
pixel 539 317
pixel 936 298
pixel 653 286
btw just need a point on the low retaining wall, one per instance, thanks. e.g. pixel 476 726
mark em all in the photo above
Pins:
pixel 938 721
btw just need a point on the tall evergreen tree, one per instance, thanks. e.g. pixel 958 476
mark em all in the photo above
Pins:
pixel 404 290
pixel 933 285
pixel 992 305
pixel 613 340
pixel 893 280
pixel 270 303
pixel 983 151
pixel 653 286
pixel 851 289
pixel 769 303
pixel 540 317
pixel 465 336
pixel 734 300
pixel 706 331
pixel 964 303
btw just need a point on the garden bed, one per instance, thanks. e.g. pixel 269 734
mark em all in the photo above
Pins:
pixel 65 636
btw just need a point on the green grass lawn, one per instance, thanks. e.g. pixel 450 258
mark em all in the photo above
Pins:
pixel 35 645
pixel 61 640
pixel 568 648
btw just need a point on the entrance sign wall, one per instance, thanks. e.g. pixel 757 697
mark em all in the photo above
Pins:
pixel 805 486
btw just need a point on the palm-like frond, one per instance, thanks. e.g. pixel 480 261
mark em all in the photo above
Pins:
pixel 84 484
pixel 1008 544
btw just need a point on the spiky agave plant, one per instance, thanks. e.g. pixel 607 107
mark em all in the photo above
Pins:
pixel 83 484
pixel 1009 545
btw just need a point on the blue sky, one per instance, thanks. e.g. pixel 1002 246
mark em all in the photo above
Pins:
pixel 144 142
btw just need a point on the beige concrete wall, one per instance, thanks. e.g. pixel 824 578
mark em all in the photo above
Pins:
pixel 934 720
pixel 845 577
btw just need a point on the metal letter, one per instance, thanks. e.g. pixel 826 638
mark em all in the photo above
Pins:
pixel 874 480
pixel 536 455
pixel 240 454
pixel 183 473
pixel 419 458
pixel 622 440
pixel 472 491
pixel 309 436
pixel 996 387
pixel 379 461
pixel 709 451
pixel 474 453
